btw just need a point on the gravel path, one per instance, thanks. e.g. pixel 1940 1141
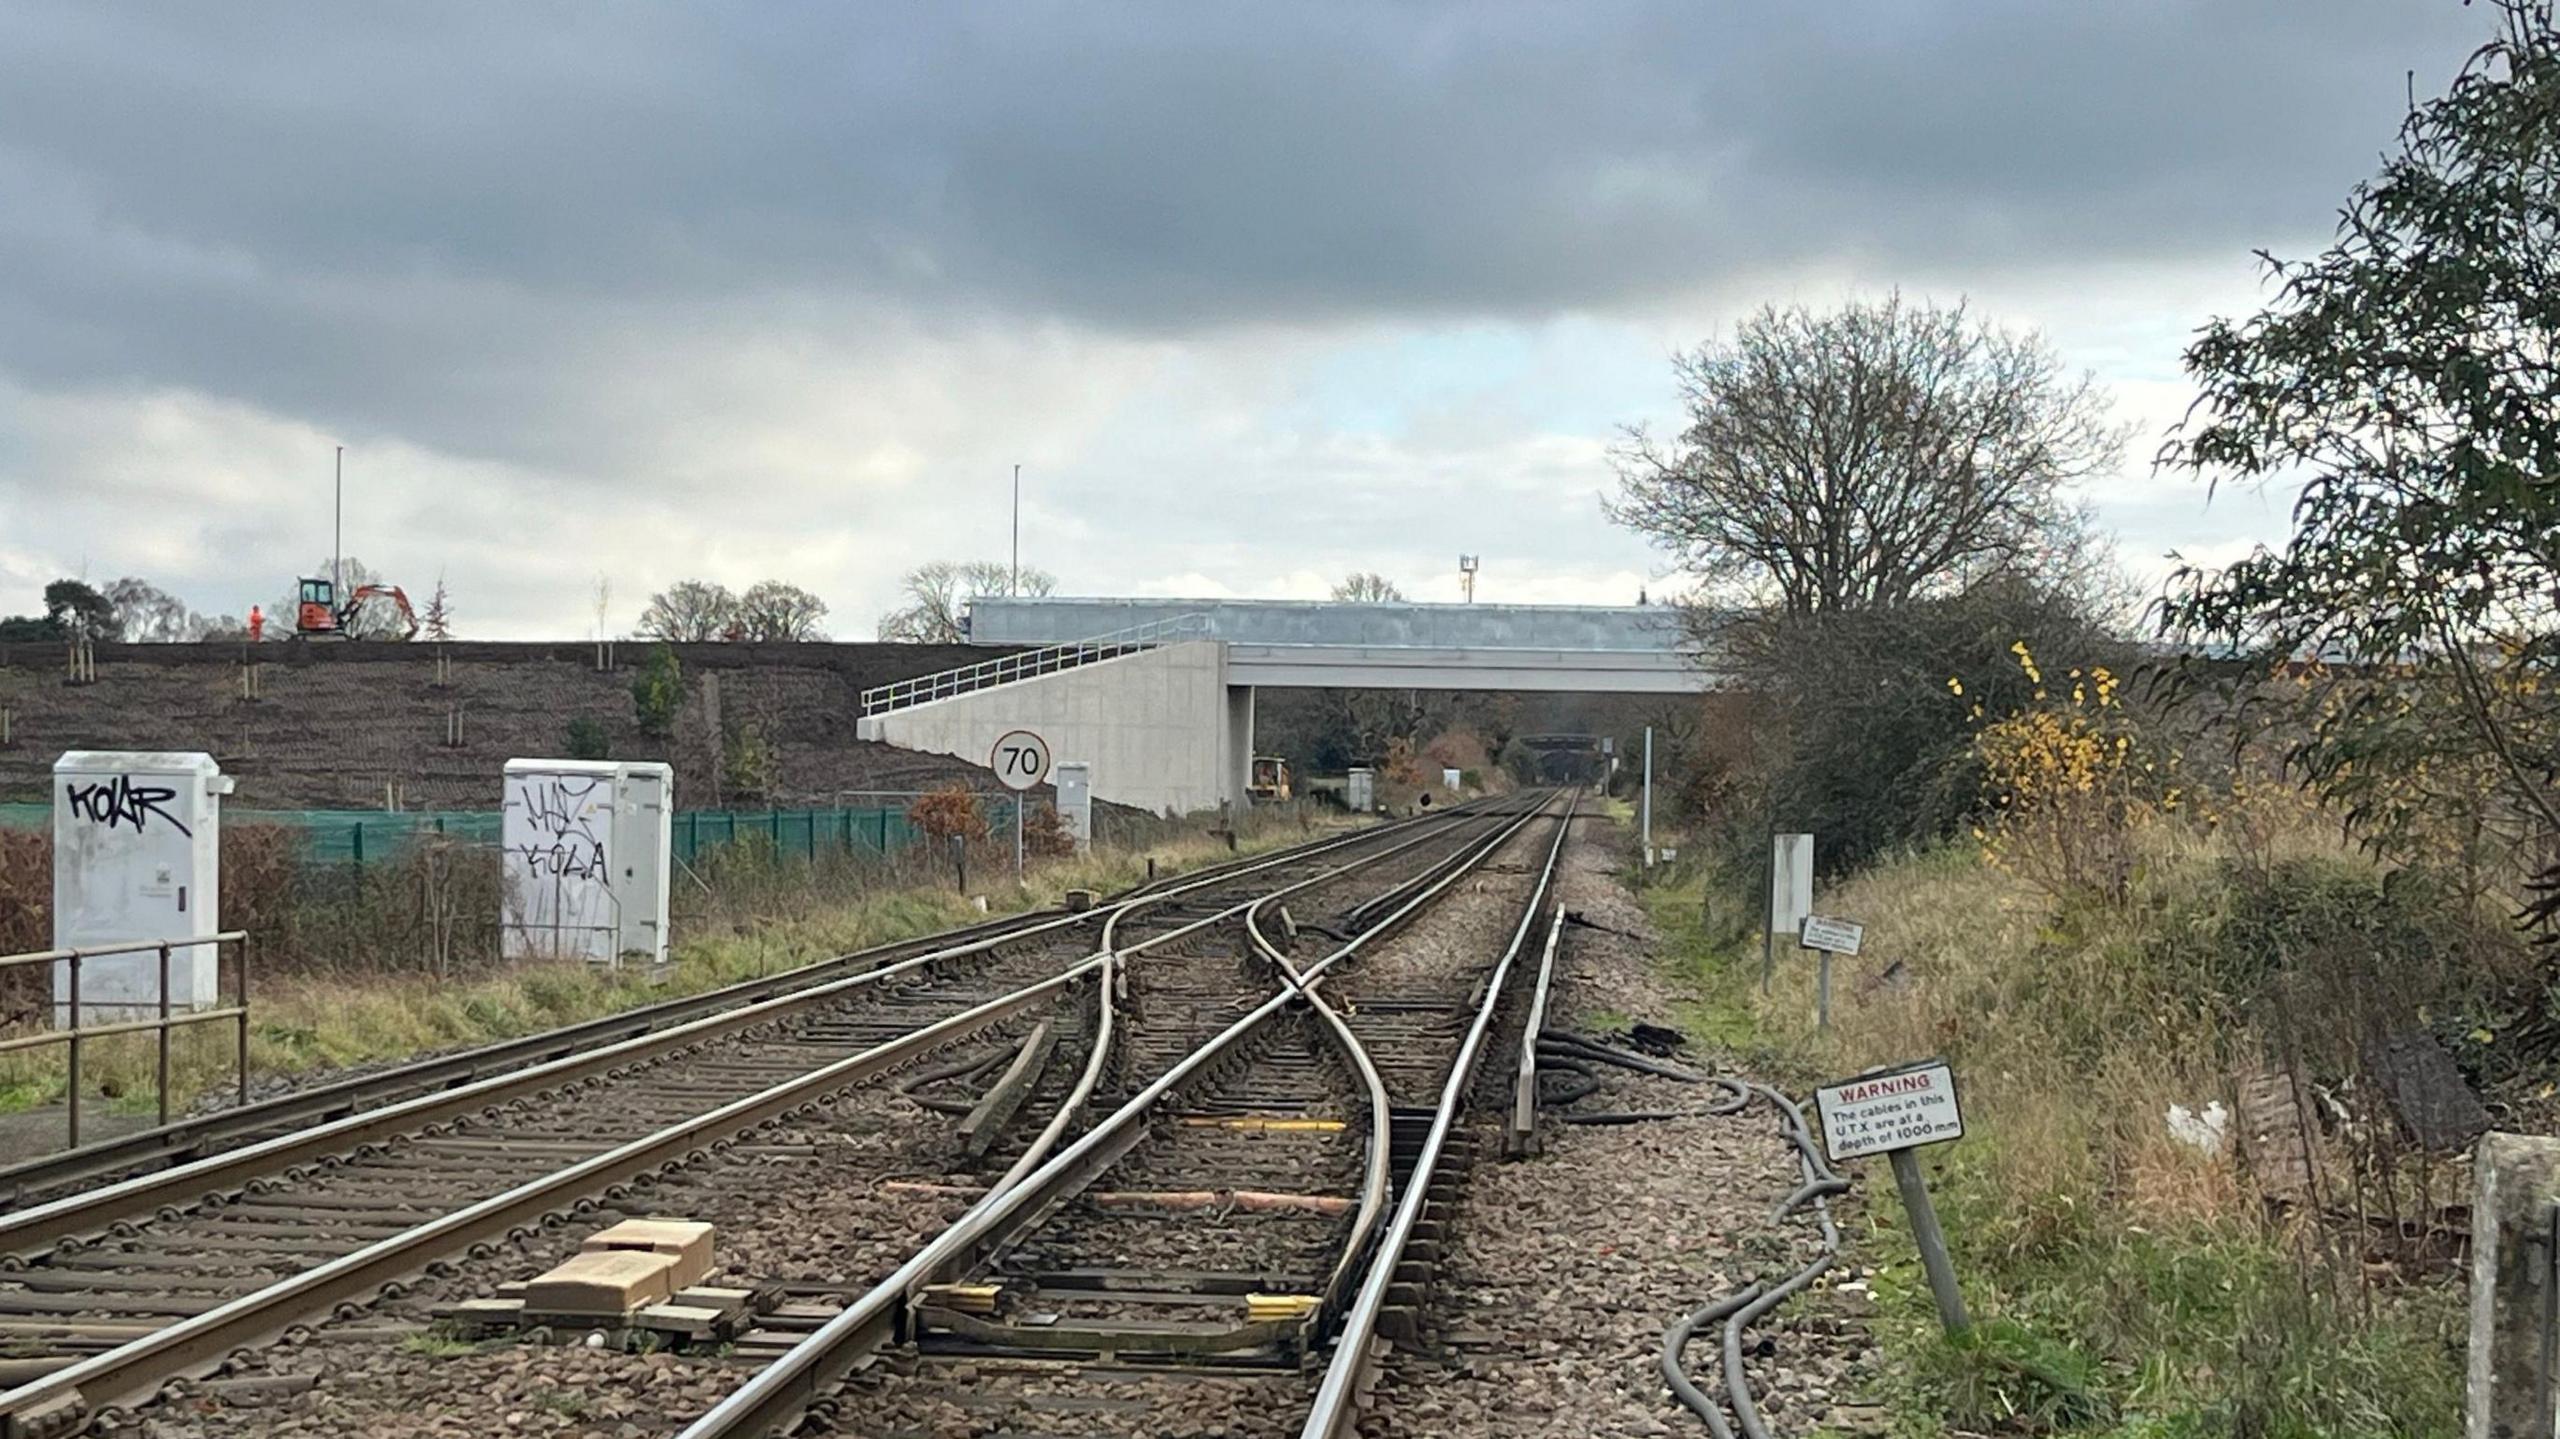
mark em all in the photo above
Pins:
pixel 1564 1269
pixel 961 1401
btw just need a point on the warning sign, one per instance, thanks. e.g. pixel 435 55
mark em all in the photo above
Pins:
pixel 1889 1109
pixel 1836 936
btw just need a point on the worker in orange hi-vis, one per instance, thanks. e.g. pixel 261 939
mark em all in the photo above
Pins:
pixel 257 624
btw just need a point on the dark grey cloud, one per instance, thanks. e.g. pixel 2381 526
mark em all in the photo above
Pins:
pixel 1168 165
pixel 571 239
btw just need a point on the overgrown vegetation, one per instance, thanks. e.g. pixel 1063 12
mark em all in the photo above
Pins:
pixel 2403 647
pixel 587 739
pixel 2097 919
pixel 749 768
pixel 2128 1283
pixel 2128 900
pixel 657 692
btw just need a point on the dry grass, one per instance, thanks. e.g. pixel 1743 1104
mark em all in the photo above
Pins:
pixel 2133 1284
pixel 752 914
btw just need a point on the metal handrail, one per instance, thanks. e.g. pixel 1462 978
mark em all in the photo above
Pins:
pixel 1023 664
pixel 162 1024
pixel 100 951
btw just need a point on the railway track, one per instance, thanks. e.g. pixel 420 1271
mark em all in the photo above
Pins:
pixel 1261 1195
pixel 182 1141
pixel 106 1295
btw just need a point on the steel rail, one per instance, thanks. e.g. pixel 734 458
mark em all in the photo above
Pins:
pixel 27 1232
pixel 1375 1166
pixel 1337 1396
pixel 1106 1023
pixel 777 1396
pixel 1520 1135
pixel 1115 957
pixel 195 1137
pixel 44 1404
pixel 137 1368
pixel 1374 1179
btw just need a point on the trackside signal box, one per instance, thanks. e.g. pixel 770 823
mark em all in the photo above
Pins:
pixel 588 845
pixel 137 857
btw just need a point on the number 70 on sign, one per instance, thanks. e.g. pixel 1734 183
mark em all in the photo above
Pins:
pixel 1020 760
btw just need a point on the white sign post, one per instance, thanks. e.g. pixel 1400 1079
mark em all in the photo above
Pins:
pixel 1828 936
pixel 1790 896
pixel 1893 1111
pixel 1021 761
pixel 1074 781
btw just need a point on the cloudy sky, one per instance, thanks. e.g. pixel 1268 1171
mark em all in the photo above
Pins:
pixel 1256 295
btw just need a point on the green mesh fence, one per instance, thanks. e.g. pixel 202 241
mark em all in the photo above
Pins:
pixel 340 836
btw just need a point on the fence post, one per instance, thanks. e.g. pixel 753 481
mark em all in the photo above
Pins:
pixel 884 831
pixel 2514 1383
pixel 74 1063
pixel 243 1004
pixel 359 838
pixel 164 1033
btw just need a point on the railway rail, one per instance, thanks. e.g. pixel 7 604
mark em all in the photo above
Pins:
pixel 1284 1117
pixel 107 1294
pixel 196 1136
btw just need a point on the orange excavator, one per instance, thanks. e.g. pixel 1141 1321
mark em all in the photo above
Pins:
pixel 318 615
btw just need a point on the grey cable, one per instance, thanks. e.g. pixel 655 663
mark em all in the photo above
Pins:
pixel 1739 1310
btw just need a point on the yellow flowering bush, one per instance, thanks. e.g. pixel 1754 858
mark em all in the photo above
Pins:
pixel 2067 779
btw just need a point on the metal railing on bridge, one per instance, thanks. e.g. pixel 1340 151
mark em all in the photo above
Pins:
pixel 1049 659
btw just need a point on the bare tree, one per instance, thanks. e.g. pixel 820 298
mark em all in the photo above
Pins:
pixel 938 594
pixel 148 614
pixel 1867 457
pixel 772 610
pixel 689 611
pixel 1367 587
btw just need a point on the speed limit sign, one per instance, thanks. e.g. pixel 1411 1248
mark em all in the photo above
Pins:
pixel 1021 760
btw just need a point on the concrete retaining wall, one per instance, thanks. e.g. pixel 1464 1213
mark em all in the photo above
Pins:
pixel 1158 727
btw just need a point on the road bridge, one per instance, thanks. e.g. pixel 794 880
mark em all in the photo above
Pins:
pixel 1326 644
pixel 1158 694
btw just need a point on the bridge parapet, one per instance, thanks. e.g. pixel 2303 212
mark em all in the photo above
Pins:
pixel 1638 629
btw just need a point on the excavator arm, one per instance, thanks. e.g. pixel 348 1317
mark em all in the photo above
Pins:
pixel 393 594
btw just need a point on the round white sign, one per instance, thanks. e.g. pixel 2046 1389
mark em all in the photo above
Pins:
pixel 1021 760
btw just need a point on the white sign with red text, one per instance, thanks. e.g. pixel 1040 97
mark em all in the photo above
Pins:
pixel 1888 1110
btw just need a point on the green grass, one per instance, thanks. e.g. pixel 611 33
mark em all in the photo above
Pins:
pixel 1718 972
pixel 2120 1287
pixel 2206 1330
